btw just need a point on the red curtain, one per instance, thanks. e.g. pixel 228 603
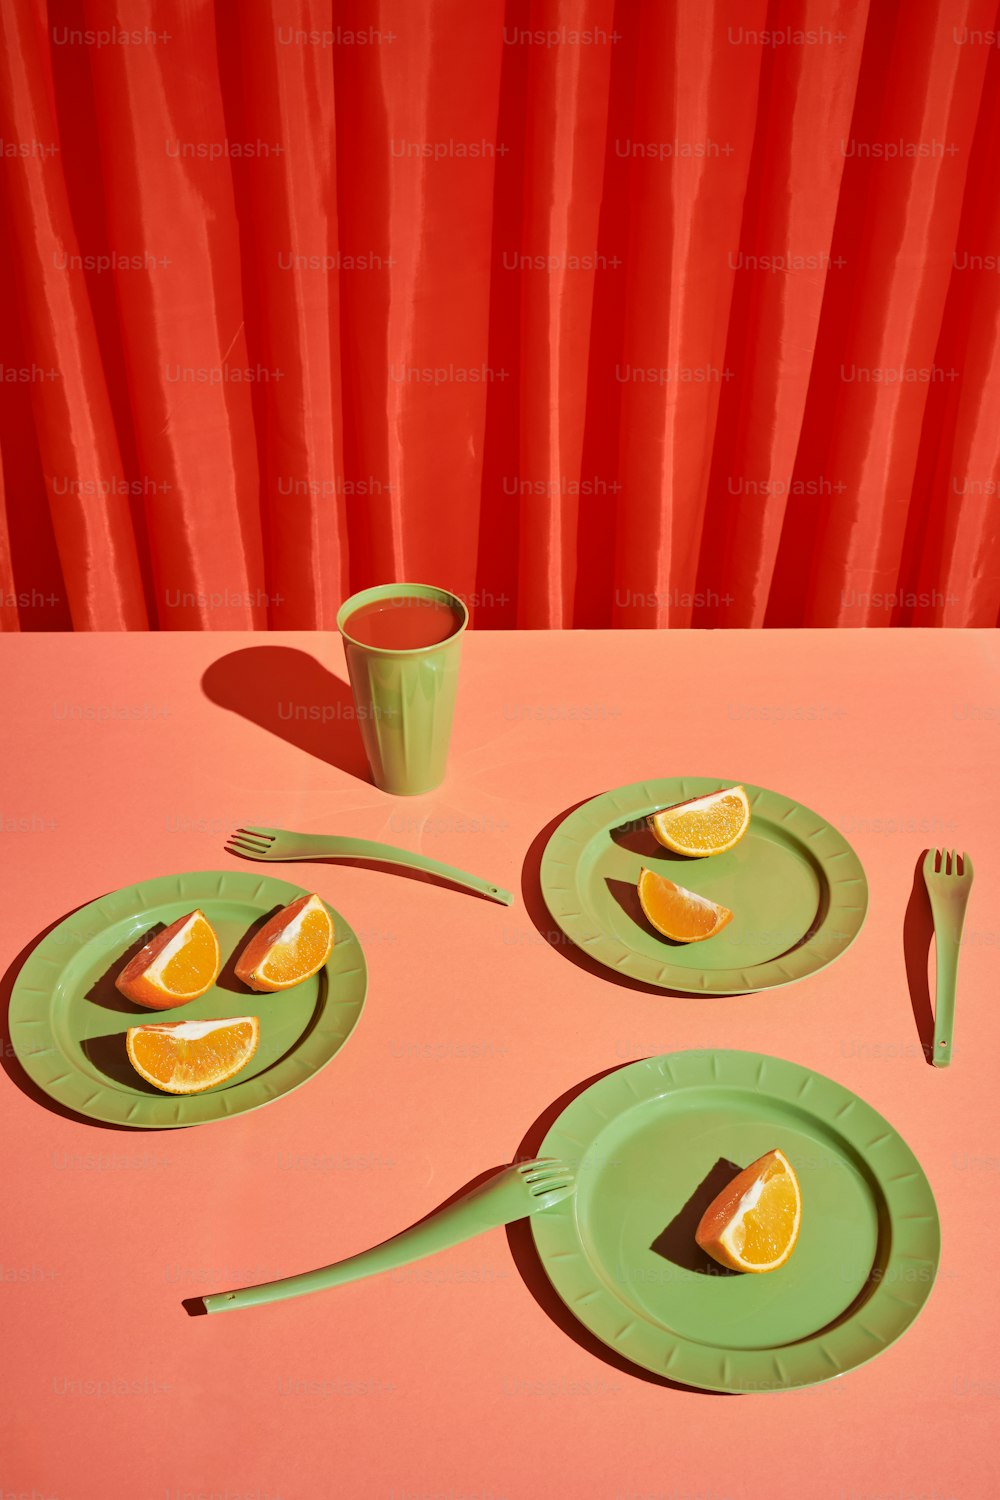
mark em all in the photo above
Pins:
pixel 598 312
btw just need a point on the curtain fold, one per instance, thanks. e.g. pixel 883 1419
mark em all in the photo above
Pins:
pixel 599 312
pixel 75 425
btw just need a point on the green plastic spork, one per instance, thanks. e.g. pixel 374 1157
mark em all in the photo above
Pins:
pixel 529 1187
pixel 948 878
pixel 281 845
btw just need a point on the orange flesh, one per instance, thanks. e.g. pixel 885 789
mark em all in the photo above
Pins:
pixel 193 1064
pixel 186 974
pixel 765 1230
pixel 677 913
pixel 193 965
pixel 702 830
pixel 286 962
pixel 757 1235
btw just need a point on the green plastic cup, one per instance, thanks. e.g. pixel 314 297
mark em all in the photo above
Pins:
pixel 404 698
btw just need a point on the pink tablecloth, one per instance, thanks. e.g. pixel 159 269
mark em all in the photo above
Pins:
pixel 451 1380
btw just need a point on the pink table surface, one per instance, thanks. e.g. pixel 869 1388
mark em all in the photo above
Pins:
pixel 450 1380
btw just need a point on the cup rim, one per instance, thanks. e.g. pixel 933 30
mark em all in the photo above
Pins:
pixel 386 591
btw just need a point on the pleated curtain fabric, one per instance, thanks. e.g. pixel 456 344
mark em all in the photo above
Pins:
pixel 656 313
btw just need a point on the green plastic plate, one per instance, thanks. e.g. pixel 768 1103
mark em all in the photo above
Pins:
pixel 655 1141
pixel 796 887
pixel 68 1022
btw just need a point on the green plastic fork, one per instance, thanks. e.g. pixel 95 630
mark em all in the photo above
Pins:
pixel 948 887
pixel 513 1193
pixel 282 844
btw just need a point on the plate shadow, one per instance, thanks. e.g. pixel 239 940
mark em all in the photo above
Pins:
pixel 290 694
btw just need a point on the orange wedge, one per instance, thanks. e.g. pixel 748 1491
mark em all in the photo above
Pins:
pixel 754 1223
pixel 187 1057
pixel 681 915
pixel 704 825
pixel 294 944
pixel 177 965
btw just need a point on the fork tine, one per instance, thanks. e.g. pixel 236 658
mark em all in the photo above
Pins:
pixel 245 838
pixel 257 851
pixel 258 833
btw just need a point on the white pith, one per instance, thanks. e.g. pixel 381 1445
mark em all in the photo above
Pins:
pixel 173 947
pixel 291 932
pixel 287 936
pixel 699 804
pixel 732 1237
pixel 192 1031
pixel 671 818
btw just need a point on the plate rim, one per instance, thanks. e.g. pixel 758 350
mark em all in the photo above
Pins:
pixel 674 1356
pixel 35 978
pixel 587 821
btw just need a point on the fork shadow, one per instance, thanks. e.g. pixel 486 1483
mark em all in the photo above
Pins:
pixel 532 1272
pixel 384 866
pixel 195 1306
pixel 292 695
pixel 918 929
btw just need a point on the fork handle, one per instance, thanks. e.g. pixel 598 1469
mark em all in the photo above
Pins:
pixel 333 846
pixel 451 1225
pixel 944 1002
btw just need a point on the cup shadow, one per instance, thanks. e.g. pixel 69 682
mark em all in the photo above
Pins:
pixel 544 922
pixel 532 1272
pixel 292 695
pixel 9 1060
pixel 918 929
